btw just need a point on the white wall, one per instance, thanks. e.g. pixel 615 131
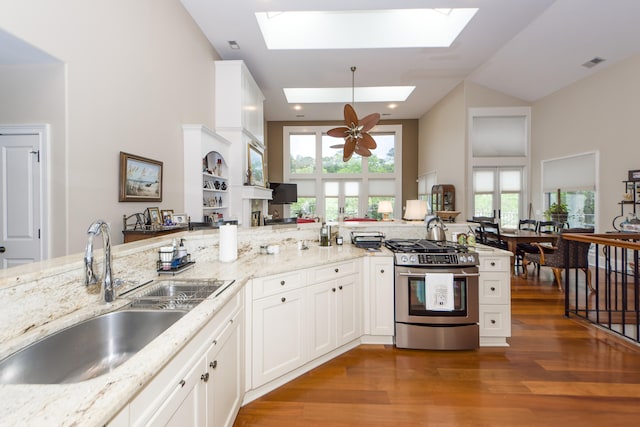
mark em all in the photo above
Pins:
pixel 599 113
pixel 135 72
pixel 443 136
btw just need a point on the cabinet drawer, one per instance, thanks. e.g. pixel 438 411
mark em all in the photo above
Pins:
pixel 332 271
pixel 271 285
pixel 494 288
pixel 494 263
pixel 495 321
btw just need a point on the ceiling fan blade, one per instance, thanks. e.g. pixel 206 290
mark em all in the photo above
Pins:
pixel 363 151
pixel 368 142
pixel 350 116
pixel 349 147
pixel 340 132
pixel 337 146
pixel 369 121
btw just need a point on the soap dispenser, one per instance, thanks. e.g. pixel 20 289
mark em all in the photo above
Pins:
pixel 182 251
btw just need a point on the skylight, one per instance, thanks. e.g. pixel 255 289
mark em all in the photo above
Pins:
pixel 363 29
pixel 344 94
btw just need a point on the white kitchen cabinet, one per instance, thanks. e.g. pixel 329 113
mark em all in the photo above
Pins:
pixel 495 300
pixel 203 383
pixel 279 332
pixel 186 405
pixel 225 364
pixel 379 287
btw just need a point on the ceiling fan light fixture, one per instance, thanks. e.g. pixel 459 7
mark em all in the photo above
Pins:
pixel 355 133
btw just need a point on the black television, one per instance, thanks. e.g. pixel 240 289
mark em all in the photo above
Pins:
pixel 284 193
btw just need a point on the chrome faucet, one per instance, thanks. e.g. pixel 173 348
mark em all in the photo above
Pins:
pixel 108 288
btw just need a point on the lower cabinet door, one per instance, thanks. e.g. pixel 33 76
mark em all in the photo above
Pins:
pixel 186 405
pixel 225 386
pixel 322 318
pixel 278 335
pixel 349 309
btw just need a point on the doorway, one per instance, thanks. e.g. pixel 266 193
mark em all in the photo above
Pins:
pixel 23 190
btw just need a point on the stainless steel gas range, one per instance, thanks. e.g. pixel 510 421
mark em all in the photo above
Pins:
pixel 436 295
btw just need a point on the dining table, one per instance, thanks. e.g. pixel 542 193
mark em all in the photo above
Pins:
pixel 513 237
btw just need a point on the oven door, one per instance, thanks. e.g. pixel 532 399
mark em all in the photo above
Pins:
pixel 410 296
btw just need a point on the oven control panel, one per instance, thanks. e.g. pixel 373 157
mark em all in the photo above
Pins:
pixel 460 259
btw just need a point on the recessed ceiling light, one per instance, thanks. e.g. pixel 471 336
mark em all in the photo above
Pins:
pixel 345 94
pixel 593 62
pixel 233 44
pixel 362 29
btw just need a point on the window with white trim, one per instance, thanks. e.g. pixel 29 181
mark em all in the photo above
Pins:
pixel 332 189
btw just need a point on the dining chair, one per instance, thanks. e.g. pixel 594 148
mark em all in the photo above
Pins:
pixel 490 235
pixel 578 256
pixel 522 248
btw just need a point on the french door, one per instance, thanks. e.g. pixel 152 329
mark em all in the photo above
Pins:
pixel 497 192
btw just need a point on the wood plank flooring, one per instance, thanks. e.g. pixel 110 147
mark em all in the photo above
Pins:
pixel 557 372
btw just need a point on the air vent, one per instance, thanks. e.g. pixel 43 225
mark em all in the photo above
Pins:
pixel 593 62
pixel 233 44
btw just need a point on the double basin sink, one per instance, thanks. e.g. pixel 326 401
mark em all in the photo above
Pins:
pixel 99 345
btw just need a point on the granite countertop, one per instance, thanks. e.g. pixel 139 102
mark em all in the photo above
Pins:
pixel 96 401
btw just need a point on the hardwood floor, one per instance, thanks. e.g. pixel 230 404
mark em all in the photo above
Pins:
pixel 557 372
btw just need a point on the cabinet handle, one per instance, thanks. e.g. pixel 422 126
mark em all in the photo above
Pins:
pixel 215 342
pixel 182 383
pixel 214 364
pixel 340 287
pixel 281 282
pixel 493 288
pixel 283 299
pixel 493 322
pixel 337 270
pixel 493 264
pixel 333 289
pixel 205 377
pixel 382 271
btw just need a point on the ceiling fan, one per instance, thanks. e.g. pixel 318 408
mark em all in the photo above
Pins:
pixel 355 133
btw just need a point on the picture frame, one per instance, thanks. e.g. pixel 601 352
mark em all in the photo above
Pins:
pixel 634 175
pixel 166 213
pixel 255 161
pixel 140 179
pixel 154 216
pixel 179 218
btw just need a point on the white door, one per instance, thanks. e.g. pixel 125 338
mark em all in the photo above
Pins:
pixel 20 188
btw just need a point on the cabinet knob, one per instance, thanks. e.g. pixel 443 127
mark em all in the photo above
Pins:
pixel 493 264
pixel 493 322
pixel 337 270
pixel 214 364
pixel 493 288
pixel 333 289
pixel 205 377
pixel 283 299
pixel 382 271
pixel 282 283
pixel 182 383
pixel 215 342
pixel 340 287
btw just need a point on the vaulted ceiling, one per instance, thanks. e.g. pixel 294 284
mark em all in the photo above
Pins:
pixel 527 49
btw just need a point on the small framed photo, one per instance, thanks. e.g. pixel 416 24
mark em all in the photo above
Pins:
pixel 154 216
pixel 167 215
pixel 179 218
pixel 634 175
pixel 140 179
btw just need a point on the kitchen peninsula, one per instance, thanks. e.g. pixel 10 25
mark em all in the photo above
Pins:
pixel 43 298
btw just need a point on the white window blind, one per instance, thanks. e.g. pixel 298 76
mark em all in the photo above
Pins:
pixel 425 182
pixel 483 181
pixel 493 136
pixel 572 173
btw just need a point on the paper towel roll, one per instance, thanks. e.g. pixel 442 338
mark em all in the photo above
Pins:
pixel 228 250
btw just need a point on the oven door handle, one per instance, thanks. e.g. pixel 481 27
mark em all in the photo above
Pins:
pixel 457 276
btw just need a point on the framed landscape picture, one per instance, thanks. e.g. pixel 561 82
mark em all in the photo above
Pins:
pixel 140 179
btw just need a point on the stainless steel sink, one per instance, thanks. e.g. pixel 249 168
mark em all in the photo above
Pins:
pixel 183 294
pixel 88 349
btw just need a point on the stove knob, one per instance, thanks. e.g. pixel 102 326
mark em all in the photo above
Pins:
pixel 462 258
pixel 413 259
pixel 404 258
pixel 471 259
